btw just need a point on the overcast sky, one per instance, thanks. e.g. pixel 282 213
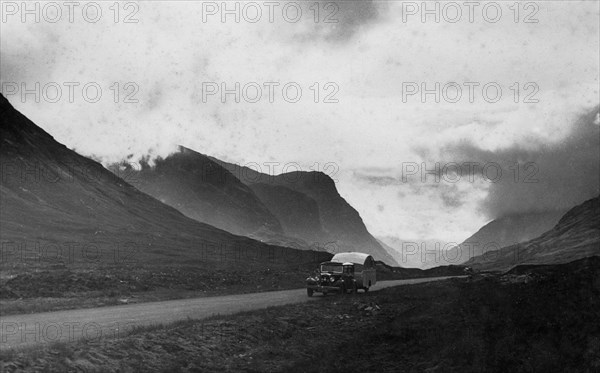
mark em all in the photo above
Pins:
pixel 375 138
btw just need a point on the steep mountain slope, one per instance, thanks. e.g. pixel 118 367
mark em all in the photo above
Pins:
pixel 297 212
pixel 576 236
pixel 339 224
pixel 507 231
pixel 51 195
pixel 203 190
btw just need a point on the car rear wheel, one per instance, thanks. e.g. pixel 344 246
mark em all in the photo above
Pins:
pixel 309 292
pixel 354 288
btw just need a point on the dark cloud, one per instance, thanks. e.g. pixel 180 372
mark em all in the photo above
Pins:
pixel 340 20
pixel 354 14
pixel 25 59
pixel 449 193
pixel 546 177
pixel 452 197
pixel 376 180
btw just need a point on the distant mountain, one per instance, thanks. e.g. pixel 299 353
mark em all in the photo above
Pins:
pixel 506 231
pixel 421 254
pixel 309 207
pixel 575 236
pixel 52 195
pixel 203 190
pixel 392 251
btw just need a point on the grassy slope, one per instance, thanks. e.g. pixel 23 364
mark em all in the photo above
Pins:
pixel 540 322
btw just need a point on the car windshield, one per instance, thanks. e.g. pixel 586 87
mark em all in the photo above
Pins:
pixel 331 267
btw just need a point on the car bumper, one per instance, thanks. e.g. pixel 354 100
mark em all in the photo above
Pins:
pixel 322 288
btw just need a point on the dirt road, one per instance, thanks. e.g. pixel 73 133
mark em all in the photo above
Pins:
pixel 106 322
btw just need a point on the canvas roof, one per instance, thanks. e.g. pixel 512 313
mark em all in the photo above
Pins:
pixel 353 257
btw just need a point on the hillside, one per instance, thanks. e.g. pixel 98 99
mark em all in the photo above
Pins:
pixel 65 214
pixel 575 236
pixel 507 231
pixel 297 212
pixel 52 193
pixel 203 190
pixel 296 197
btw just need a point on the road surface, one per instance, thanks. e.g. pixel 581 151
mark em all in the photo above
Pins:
pixel 93 324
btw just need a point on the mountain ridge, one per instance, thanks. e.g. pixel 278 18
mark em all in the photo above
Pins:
pixel 575 236
pixel 341 226
pixel 204 191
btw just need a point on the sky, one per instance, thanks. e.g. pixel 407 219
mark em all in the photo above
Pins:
pixel 416 166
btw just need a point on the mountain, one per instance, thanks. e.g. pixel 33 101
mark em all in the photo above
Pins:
pixel 310 208
pixel 53 197
pixel 392 251
pixel 297 212
pixel 575 236
pixel 203 190
pixel 507 231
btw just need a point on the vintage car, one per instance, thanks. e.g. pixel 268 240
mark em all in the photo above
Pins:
pixel 346 271
pixel 332 277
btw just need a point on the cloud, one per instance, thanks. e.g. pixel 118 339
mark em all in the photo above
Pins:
pixel 348 18
pixel 368 134
pixel 452 197
pixel 543 177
